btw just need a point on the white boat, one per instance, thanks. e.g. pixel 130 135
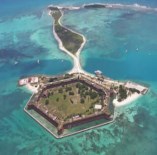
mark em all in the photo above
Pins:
pixel 16 62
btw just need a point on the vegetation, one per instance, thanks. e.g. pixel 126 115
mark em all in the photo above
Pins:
pixel 46 102
pixel 122 93
pixel 133 90
pixel 68 89
pixel 56 13
pixel 52 79
pixel 66 101
pixel 70 40
pixel 94 6
pixel 60 90
pixel 82 100
pixel 66 76
pixel 64 96
pixel 71 93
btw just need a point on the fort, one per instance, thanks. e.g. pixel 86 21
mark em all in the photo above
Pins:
pixel 72 100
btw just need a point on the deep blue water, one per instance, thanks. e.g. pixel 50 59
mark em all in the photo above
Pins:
pixel 121 43
pixel 10 7
pixel 117 69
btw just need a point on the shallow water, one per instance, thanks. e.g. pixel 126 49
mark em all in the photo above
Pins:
pixel 27 37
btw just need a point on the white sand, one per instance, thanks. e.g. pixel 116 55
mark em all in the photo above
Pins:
pixel 77 67
pixel 128 100
pixel 32 88
pixel 49 12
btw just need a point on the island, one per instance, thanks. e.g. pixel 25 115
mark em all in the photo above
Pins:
pixel 76 101
pixel 72 103
pixel 70 40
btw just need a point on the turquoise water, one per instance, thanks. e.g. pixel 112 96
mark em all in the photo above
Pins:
pixel 121 43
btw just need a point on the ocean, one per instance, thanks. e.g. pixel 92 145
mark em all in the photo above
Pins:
pixel 120 42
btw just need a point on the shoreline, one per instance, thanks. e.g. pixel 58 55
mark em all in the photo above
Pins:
pixel 134 6
pixel 68 134
pixel 31 88
pixel 76 58
pixel 127 101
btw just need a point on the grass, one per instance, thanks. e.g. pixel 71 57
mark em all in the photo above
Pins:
pixel 64 106
pixel 70 40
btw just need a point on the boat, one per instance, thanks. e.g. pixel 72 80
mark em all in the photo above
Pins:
pixel 16 62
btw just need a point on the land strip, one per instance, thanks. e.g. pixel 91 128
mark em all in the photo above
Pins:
pixel 72 41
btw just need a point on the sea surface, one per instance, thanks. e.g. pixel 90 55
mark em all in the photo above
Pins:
pixel 120 42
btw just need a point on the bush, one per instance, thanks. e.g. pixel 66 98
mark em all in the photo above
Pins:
pixel 133 90
pixel 60 90
pixel 68 89
pixel 46 102
pixel 51 80
pixel 82 100
pixel 82 87
pixel 64 96
pixel 67 76
pixel 93 95
pixel 122 93
pixel 48 95
pixel 71 93
pixel 57 99
pixel 86 93
pixel 79 91
pixel 78 85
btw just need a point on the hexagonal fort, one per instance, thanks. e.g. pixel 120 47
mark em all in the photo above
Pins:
pixel 72 101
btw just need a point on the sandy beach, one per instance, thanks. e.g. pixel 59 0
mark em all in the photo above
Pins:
pixel 76 58
pixel 128 100
pixel 31 88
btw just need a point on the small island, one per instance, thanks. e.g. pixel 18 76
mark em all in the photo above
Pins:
pixel 76 101
pixel 65 102
pixel 71 40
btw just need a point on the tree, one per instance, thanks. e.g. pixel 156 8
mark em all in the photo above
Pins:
pixel 51 79
pixel 86 93
pixel 48 94
pixel 60 90
pixel 71 93
pixel 122 93
pixel 93 95
pixel 68 89
pixel 77 85
pixel 57 99
pixel 133 90
pixel 67 76
pixel 82 100
pixel 46 102
pixel 64 96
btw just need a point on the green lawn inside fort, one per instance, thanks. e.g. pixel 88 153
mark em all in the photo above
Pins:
pixel 70 40
pixel 70 100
